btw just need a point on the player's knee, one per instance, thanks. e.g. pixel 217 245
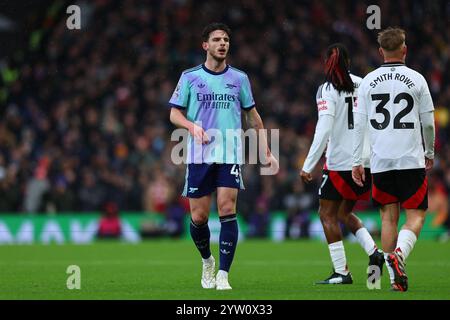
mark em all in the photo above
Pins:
pixel 199 215
pixel 327 217
pixel 327 222
pixel 326 212
pixel 416 221
pixel 421 220
pixel 388 219
pixel 199 219
pixel 227 207
pixel 353 219
pixel 343 217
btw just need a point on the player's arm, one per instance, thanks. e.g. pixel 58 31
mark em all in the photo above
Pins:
pixel 427 120
pixel 178 119
pixel 179 102
pixel 426 117
pixel 253 120
pixel 321 136
pixel 326 106
pixel 360 119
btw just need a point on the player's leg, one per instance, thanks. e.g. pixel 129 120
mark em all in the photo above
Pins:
pixel 329 203
pixel 385 197
pixel 414 198
pixel 347 217
pixel 406 240
pixel 328 212
pixel 355 225
pixel 228 182
pixel 389 232
pixel 201 234
pixel 228 238
pixel 198 188
pixel 407 237
pixel 351 193
pixel 199 224
pixel 389 226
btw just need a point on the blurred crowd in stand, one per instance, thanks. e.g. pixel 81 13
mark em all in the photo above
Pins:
pixel 84 116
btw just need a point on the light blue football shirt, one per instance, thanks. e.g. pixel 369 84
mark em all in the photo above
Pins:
pixel 214 100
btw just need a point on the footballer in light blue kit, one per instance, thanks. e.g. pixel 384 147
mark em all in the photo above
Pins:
pixel 209 101
pixel 214 100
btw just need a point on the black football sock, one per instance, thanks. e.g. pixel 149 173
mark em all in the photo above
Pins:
pixel 227 240
pixel 201 234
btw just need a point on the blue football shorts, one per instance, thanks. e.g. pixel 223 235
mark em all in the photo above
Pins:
pixel 204 178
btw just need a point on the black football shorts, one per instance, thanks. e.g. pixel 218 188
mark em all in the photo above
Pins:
pixel 339 185
pixel 408 187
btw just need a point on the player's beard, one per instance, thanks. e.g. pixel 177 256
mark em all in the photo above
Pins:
pixel 219 58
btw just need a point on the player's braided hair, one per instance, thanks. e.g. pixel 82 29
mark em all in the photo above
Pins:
pixel 336 68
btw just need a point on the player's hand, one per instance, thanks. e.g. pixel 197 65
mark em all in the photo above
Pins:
pixel 199 134
pixel 359 175
pixel 270 165
pixel 429 163
pixel 273 163
pixel 306 177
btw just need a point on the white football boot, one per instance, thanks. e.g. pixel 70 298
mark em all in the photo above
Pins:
pixel 209 268
pixel 222 281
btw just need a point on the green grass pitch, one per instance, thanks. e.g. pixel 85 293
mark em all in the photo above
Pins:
pixel 171 270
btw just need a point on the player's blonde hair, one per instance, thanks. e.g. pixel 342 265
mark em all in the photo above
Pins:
pixel 391 39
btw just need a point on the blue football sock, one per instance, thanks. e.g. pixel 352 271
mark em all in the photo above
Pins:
pixel 201 234
pixel 227 240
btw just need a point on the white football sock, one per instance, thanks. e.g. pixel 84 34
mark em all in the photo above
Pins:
pixel 337 254
pixel 406 240
pixel 391 272
pixel 366 241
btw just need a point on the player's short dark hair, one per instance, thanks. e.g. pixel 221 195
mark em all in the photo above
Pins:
pixel 337 63
pixel 391 39
pixel 213 27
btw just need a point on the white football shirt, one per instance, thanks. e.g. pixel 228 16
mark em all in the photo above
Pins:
pixel 340 144
pixel 392 97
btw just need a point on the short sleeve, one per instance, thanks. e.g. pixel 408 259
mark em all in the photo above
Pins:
pixel 360 105
pixel 245 94
pixel 425 100
pixel 180 96
pixel 326 102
